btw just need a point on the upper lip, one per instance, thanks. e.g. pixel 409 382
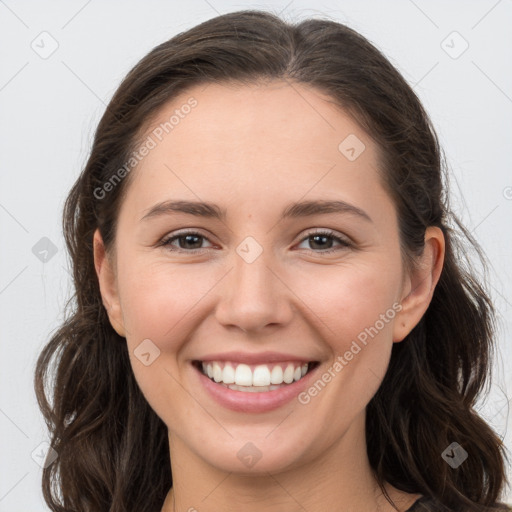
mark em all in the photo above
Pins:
pixel 255 358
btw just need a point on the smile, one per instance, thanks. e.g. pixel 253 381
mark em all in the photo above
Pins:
pixel 254 378
pixel 254 387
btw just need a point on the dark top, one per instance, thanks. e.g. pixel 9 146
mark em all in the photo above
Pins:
pixel 424 504
pixel 416 506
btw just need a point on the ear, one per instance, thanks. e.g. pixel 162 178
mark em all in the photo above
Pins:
pixel 108 284
pixel 420 283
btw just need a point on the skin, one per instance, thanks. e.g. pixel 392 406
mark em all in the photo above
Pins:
pixel 253 150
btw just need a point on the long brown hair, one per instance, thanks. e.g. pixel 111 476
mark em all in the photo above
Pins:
pixel 94 409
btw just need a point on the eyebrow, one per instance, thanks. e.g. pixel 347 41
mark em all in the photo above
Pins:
pixel 294 210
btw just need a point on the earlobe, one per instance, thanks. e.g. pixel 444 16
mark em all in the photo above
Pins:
pixel 108 284
pixel 420 284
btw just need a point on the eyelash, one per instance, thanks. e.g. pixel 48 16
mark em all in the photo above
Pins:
pixel 166 242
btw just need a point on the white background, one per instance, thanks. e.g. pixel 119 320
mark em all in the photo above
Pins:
pixel 49 109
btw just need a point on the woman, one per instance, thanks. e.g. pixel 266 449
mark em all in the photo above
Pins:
pixel 318 346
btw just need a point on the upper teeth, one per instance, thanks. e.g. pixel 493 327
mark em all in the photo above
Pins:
pixel 260 375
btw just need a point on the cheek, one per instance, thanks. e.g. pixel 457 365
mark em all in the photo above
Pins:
pixel 357 306
pixel 158 298
pixel 351 300
pixel 161 303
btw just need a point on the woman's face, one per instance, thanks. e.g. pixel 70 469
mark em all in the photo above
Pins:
pixel 253 288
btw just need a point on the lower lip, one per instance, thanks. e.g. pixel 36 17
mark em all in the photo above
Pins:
pixel 243 401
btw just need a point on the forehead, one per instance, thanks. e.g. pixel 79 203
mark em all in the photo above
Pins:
pixel 233 141
pixel 270 112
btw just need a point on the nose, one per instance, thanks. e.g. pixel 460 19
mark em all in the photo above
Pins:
pixel 254 298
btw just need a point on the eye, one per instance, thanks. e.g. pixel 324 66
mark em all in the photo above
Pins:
pixel 191 242
pixel 188 241
pixel 322 238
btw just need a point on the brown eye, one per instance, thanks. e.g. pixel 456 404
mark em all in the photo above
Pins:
pixel 188 241
pixel 321 242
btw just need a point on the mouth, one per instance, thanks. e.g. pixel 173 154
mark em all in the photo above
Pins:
pixel 255 378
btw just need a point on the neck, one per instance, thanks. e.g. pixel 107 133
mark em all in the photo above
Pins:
pixel 340 478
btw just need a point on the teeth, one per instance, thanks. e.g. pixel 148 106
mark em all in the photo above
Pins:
pixel 288 374
pixel 243 375
pixel 260 378
pixel 276 377
pixel 251 389
pixel 228 374
pixel 217 372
